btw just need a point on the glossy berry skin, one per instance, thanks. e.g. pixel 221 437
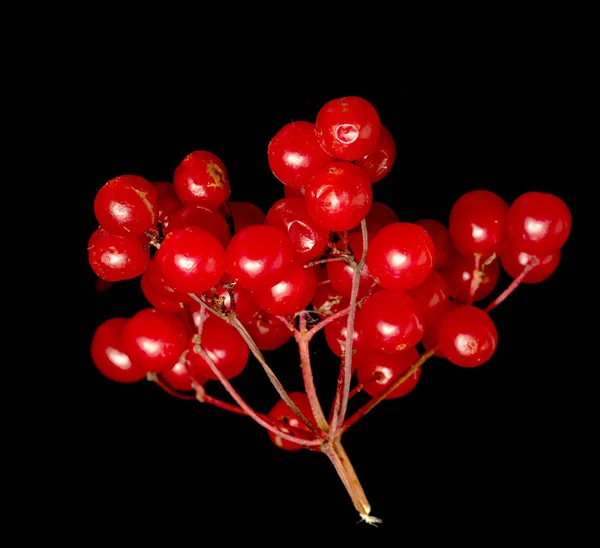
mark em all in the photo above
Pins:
pixel 159 300
pixel 467 336
pixel 109 355
pixel 294 154
pixel 288 422
pixel 245 305
pixel 168 202
pixel 401 256
pixel 339 196
pixel 127 206
pixel 376 371
pixel 442 242
pixel 155 279
pixel 514 261
pixel 191 260
pixel 478 223
pixel 259 256
pixel 115 258
pixel 202 178
pixel 459 274
pixel 202 217
pixel 341 273
pixel 292 294
pixel 154 340
pixel 336 335
pixel 181 377
pixel 267 331
pixel 244 214
pixel 539 223
pixel 291 192
pixel 225 347
pixel 306 237
pixel 391 321
pixel 327 300
pixel 431 297
pixel 378 163
pixel 379 215
pixel 348 128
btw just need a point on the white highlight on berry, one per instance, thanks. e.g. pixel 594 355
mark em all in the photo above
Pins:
pixel 535 229
pixel 120 359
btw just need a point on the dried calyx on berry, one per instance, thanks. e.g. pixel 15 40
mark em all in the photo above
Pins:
pixel 225 281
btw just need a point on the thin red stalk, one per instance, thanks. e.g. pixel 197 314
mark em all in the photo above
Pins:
pixel 513 285
pixel 307 375
pixel 323 323
pixel 355 391
pixel 288 324
pixel 246 408
pixel 376 400
pixel 323 261
pixel 475 278
pixel 153 377
pixel 235 322
pixel 343 389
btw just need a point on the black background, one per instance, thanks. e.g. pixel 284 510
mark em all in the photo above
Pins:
pixel 470 453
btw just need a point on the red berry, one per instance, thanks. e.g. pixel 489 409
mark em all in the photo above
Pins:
pixel 348 128
pixel 259 256
pixel 379 215
pixel 294 154
pixel 168 202
pixel 287 421
pixel 154 340
pixel 244 214
pixel 514 261
pixel 114 258
pixel 292 294
pixel 401 256
pixel 201 178
pixel 224 346
pixel 245 305
pixel 339 196
pixel 202 217
pixel 341 273
pixel 191 260
pixel 155 280
pixel 378 163
pixel 336 335
pixel 478 223
pixel 376 371
pixel 442 242
pixel 109 356
pixel 539 223
pixel 181 378
pixel 431 297
pixel 467 336
pixel 267 331
pixel 391 321
pixel 306 237
pixel 459 275
pixel 127 206
pixel 158 300
pixel 291 192
pixel 327 300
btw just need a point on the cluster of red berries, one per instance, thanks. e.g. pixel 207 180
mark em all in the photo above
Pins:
pixel 222 278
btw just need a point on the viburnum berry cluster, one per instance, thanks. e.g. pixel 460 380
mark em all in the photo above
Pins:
pixel 225 281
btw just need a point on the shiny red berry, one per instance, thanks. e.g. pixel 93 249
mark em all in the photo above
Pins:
pixel 115 258
pixel 339 196
pixel 287 421
pixel 191 260
pixel 478 223
pixel 154 340
pixel 467 336
pixel 459 273
pixel 327 300
pixel 202 217
pixel 244 214
pixel 400 256
pixel 168 202
pixel 259 256
pixel 539 223
pixel 202 178
pixel 341 274
pixel 432 298
pixel 442 242
pixel 109 355
pixel 348 128
pixel 127 205
pixel 294 154
pixel 268 331
pixel 379 162
pixel 514 261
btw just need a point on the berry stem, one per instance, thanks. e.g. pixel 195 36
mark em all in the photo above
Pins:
pixel 358 388
pixel 246 408
pixel 323 323
pixel 343 388
pixel 475 278
pixel 376 400
pixel 235 322
pixel 533 262
pixel 337 455
pixel 307 375
pixel 323 261
pixel 153 377
pixel 203 397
